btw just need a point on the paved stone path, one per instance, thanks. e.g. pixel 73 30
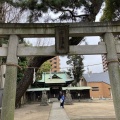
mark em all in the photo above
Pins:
pixel 58 113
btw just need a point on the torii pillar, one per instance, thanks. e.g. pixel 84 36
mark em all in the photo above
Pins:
pixel 114 71
pixel 9 93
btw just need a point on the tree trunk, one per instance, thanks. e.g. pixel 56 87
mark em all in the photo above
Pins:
pixel 28 76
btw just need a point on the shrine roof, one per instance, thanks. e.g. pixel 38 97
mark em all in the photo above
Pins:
pixel 57 77
pixel 38 89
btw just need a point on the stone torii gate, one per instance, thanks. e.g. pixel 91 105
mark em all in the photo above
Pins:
pixel 14 50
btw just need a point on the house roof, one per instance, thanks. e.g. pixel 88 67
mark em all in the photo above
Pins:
pixel 97 77
pixel 58 77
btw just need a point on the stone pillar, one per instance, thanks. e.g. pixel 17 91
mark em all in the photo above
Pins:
pixel 114 71
pixel 9 93
pixel 68 98
pixel 44 99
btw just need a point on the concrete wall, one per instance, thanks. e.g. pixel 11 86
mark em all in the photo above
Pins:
pixel 106 90
pixel 83 82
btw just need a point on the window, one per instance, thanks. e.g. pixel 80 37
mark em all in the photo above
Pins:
pixel 95 88
pixel 55 67
pixel 54 62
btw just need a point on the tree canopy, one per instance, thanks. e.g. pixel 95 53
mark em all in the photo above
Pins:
pixel 76 61
pixel 22 62
pixel 75 10
pixel 45 67
pixel 111 11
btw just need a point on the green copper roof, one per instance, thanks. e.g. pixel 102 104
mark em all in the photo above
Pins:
pixel 59 77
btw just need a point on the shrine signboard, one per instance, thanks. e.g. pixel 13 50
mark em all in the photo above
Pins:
pixel 62 39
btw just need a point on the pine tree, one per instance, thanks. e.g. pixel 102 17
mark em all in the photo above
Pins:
pixel 111 10
pixel 76 61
